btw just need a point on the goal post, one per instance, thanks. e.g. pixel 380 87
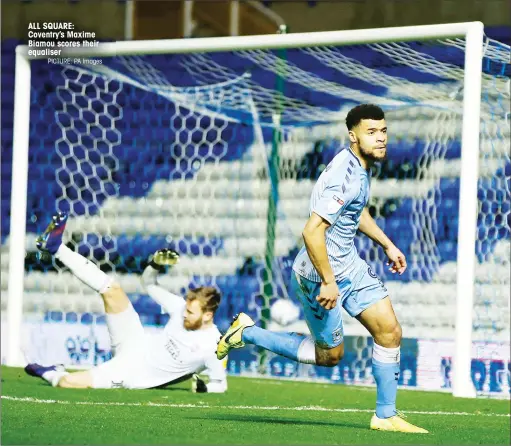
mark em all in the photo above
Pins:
pixel 468 208
pixel 462 383
pixel 19 211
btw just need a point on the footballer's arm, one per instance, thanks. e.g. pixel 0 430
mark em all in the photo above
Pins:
pixel 315 242
pixel 217 386
pixel 314 236
pixel 170 302
pixel 215 369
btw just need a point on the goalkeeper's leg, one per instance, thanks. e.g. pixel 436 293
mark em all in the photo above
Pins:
pixel 50 241
pixel 123 323
pixel 111 374
pixel 57 376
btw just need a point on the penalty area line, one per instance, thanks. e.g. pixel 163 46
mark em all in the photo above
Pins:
pixel 215 406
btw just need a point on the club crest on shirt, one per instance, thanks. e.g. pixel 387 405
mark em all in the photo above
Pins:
pixel 371 273
pixel 334 206
pixel 337 335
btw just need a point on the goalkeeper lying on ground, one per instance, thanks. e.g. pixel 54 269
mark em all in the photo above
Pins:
pixel 185 347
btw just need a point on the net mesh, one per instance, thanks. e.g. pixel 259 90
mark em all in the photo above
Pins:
pixel 181 151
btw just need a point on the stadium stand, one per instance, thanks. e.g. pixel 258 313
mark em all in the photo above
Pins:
pixel 137 185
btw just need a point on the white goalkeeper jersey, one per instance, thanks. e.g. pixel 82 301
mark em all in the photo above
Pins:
pixel 145 360
pixel 176 353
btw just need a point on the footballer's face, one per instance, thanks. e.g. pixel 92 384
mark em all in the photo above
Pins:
pixel 370 136
pixel 195 317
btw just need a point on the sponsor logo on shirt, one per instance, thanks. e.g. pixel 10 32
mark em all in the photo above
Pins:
pixel 333 207
pixel 336 198
pixel 172 348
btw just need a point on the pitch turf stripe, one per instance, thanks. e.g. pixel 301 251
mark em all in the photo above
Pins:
pixel 212 406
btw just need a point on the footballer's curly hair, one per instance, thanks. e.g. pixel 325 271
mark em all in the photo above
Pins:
pixel 208 296
pixel 363 111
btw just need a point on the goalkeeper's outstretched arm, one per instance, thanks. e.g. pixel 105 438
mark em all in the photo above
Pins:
pixel 171 303
pixel 215 369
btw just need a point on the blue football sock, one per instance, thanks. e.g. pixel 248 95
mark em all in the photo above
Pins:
pixel 282 343
pixel 386 375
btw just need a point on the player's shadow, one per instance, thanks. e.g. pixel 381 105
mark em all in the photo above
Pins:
pixel 174 389
pixel 181 385
pixel 170 388
pixel 259 419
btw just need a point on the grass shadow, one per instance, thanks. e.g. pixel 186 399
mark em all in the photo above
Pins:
pixel 259 419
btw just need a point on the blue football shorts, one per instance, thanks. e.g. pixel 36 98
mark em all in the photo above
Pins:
pixel 356 293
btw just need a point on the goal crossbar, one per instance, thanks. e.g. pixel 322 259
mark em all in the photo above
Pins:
pixel 271 41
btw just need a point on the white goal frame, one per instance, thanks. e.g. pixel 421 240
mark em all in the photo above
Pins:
pixel 471 31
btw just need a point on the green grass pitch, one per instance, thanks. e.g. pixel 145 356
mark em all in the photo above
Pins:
pixel 254 411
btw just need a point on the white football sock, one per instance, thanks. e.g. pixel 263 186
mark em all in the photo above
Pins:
pixel 387 355
pixel 307 351
pixel 84 269
pixel 53 376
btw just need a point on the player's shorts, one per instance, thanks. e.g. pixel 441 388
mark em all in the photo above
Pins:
pixel 356 293
pixel 127 337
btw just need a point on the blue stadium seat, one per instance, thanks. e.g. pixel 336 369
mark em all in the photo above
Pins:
pixel 71 317
pixel 54 316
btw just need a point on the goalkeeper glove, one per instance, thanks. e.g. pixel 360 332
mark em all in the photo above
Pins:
pixel 198 385
pixel 164 257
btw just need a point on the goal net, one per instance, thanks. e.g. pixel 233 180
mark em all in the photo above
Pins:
pixel 215 154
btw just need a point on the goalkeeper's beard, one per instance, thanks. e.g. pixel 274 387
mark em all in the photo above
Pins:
pixel 191 326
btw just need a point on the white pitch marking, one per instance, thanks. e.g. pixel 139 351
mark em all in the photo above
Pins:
pixel 212 406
